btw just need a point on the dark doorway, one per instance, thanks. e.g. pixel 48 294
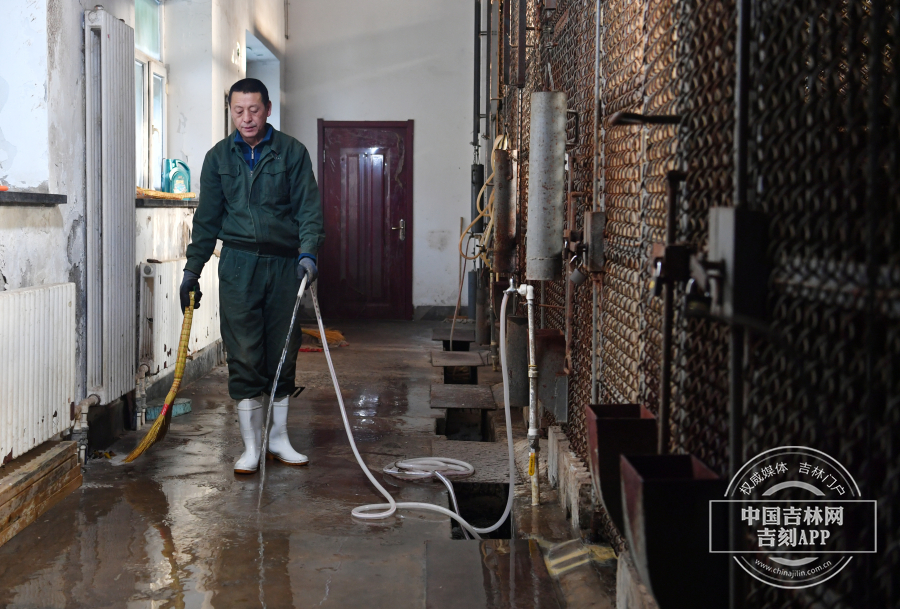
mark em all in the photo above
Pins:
pixel 365 175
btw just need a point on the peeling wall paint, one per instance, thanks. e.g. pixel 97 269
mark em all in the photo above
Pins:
pixel 42 246
pixel 394 60
pixel 162 234
pixel 23 98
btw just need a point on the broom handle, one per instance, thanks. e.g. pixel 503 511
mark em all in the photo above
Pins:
pixel 183 344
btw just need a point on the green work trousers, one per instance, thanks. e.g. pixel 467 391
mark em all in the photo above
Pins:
pixel 256 299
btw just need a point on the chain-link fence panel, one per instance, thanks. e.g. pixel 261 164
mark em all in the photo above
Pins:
pixel 823 167
pixel 622 61
pixel 570 45
pixel 659 158
pixel 706 73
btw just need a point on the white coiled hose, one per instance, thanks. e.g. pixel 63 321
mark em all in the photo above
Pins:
pixel 379 511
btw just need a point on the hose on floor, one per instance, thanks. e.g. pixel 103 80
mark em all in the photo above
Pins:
pixel 380 511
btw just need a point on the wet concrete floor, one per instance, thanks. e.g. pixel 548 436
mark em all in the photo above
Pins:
pixel 178 528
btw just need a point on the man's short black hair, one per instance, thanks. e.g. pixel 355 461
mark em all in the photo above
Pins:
pixel 250 85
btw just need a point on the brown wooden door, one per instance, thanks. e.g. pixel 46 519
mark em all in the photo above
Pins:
pixel 365 175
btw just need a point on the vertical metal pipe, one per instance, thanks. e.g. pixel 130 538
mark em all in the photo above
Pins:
pixel 595 290
pixel 735 455
pixel 476 90
pixel 504 227
pixel 517 359
pixel 477 183
pixel 472 289
pixel 665 373
pixel 546 186
pixel 533 424
pixel 507 41
pixel 482 333
pixel 736 341
pixel 570 289
pixel 521 40
pixel 487 77
pixel 493 321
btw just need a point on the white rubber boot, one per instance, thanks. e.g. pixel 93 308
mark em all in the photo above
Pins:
pixel 279 445
pixel 251 416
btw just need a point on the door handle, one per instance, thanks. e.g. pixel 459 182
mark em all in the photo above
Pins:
pixel 402 229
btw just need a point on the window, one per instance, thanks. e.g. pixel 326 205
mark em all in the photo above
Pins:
pixel 147 35
pixel 150 80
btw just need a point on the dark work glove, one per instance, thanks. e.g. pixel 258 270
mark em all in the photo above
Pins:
pixel 306 266
pixel 190 283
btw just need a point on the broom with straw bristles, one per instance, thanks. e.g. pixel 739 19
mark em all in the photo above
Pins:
pixel 161 425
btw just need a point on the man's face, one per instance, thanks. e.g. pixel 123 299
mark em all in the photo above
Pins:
pixel 249 115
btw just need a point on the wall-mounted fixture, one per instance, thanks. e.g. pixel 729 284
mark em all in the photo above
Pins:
pixel 546 186
pixel 594 225
pixel 504 214
pixel 731 279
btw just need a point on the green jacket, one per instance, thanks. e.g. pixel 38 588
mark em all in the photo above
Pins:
pixel 275 204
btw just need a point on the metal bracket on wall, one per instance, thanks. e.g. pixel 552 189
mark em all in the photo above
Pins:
pixel 573 142
pixel 594 225
pixel 730 281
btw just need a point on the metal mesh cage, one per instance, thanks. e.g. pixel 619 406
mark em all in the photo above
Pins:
pixel 823 115
pixel 822 369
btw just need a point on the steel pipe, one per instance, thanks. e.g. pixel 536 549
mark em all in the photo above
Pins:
pixel 504 214
pixel 482 331
pixel 488 18
pixel 546 186
pixel 522 43
pixel 476 91
pixel 533 421
pixel 477 184
pixel 595 285
pixel 665 373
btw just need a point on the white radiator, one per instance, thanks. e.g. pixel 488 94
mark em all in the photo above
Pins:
pixel 161 312
pixel 37 366
pixel 109 85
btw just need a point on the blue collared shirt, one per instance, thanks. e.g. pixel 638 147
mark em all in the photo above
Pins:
pixel 251 155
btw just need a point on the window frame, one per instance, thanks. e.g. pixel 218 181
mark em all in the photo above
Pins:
pixel 152 68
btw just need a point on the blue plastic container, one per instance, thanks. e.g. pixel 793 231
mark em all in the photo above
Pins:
pixel 176 176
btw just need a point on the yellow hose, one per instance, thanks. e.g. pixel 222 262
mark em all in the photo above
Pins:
pixel 484 210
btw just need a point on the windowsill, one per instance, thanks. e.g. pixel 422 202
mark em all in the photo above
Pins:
pixel 186 203
pixel 31 199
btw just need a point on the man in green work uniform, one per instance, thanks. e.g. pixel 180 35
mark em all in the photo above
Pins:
pixel 259 196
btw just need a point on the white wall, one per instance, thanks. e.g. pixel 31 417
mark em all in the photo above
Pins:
pixel 201 38
pixel 44 245
pixel 24 151
pixel 394 60
pixel 187 53
pixel 269 72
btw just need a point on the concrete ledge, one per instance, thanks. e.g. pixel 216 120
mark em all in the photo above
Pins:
pixel 631 593
pixel 568 474
pixel 147 202
pixel 31 199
